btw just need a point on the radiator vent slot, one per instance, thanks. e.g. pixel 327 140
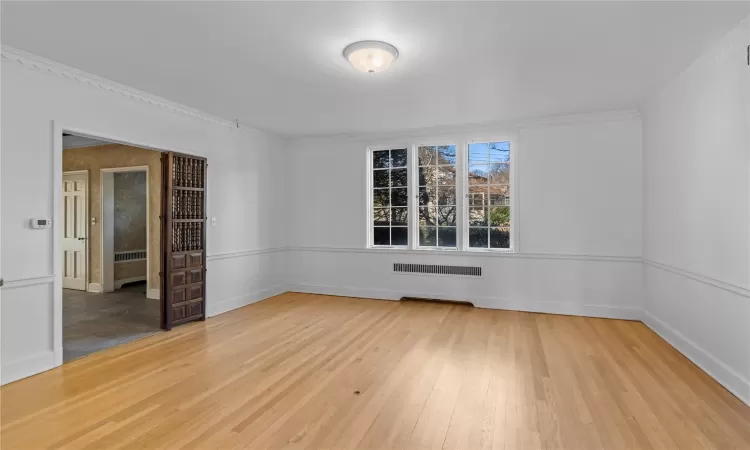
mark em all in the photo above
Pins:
pixel 435 269
pixel 133 255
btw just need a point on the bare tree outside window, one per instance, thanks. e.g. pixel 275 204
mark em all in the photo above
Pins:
pixel 390 212
pixel 437 195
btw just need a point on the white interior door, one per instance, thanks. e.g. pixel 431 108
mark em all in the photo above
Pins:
pixel 75 230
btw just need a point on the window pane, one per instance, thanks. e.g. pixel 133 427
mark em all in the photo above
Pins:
pixel 500 195
pixel 381 216
pixel 380 178
pixel 398 158
pixel 478 237
pixel 499 237
pixel 427 176
pixel 398 177
pixel 478 153
pixel 499 173
pixel 446 195
pixel 447 154
pixel 499 152
pixel 478 174
pixel 399 236
pixel 427 195
pixel 427 156
pixel 447 237
pixel 398 197
pixel 447 216
pixel 500 216
pixel 477 216
pixel 427 216
pixel 427 236
pixel 447 175
pixel 478 195
pixel 399 216
pixel 380 197
pixel 380 159
pixel 381 236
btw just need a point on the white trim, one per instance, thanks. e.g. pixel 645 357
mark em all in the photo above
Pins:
pixel 519 124
pixel 471 254
pixel 723 374
pixel 214 309
pixel 87 215
pixel 50 67
pixel 96 288
pixel 27 366
pixel 243 253
pixel 108 260
pixel 153 294
pixel 30 281
pixel 604 311
pixel 739 290
pixel 120 283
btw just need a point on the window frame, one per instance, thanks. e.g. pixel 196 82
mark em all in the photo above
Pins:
pixel 414 181
pixel 462 192
pixel 369 196
pixel 513 235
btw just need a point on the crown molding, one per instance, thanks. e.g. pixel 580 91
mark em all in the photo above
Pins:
pixel 38 63
pixel 497 126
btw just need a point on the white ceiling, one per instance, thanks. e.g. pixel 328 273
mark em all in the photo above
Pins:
pixel 278 66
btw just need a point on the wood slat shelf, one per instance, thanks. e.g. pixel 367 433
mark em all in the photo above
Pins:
pixel 187 220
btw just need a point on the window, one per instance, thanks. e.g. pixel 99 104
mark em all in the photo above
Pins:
pixel 437 195
pixel 489 195
pixel 442 196
pixel 390 212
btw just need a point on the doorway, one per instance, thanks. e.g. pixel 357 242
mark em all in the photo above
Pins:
pixel 118 305
pixel 111 244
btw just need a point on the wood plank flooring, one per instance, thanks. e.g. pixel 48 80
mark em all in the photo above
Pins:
pixel 305 371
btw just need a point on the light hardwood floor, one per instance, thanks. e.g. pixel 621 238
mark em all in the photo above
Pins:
pixel 306 371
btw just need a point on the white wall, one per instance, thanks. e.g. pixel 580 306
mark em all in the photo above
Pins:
pixel 245 193
pixel 579 210
pixel 697 212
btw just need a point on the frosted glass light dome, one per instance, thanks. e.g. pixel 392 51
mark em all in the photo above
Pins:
pixel 370 56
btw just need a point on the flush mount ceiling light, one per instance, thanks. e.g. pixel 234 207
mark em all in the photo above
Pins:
pixel 370 56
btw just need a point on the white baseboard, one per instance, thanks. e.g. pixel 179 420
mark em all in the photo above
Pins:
pixel 95 287
pixel 214 309
pixel 153 294
pixel 723 374
pixel 124 281
pixel 28 366
pixel 603 311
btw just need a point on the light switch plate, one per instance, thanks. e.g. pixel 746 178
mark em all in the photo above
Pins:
pixel 213 221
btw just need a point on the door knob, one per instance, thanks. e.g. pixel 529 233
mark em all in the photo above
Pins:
pixel 81 239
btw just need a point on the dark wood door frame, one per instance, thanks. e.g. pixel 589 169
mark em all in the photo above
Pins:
pixel 183 265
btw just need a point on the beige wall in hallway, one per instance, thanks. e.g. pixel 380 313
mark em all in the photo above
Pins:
pixel 111 156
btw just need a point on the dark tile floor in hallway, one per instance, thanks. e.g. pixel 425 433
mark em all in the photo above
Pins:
pixel 92 322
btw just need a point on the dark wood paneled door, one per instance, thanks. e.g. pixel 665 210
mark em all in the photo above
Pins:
pixel 184 239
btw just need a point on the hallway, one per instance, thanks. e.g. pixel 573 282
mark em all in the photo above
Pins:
pixel 93 322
